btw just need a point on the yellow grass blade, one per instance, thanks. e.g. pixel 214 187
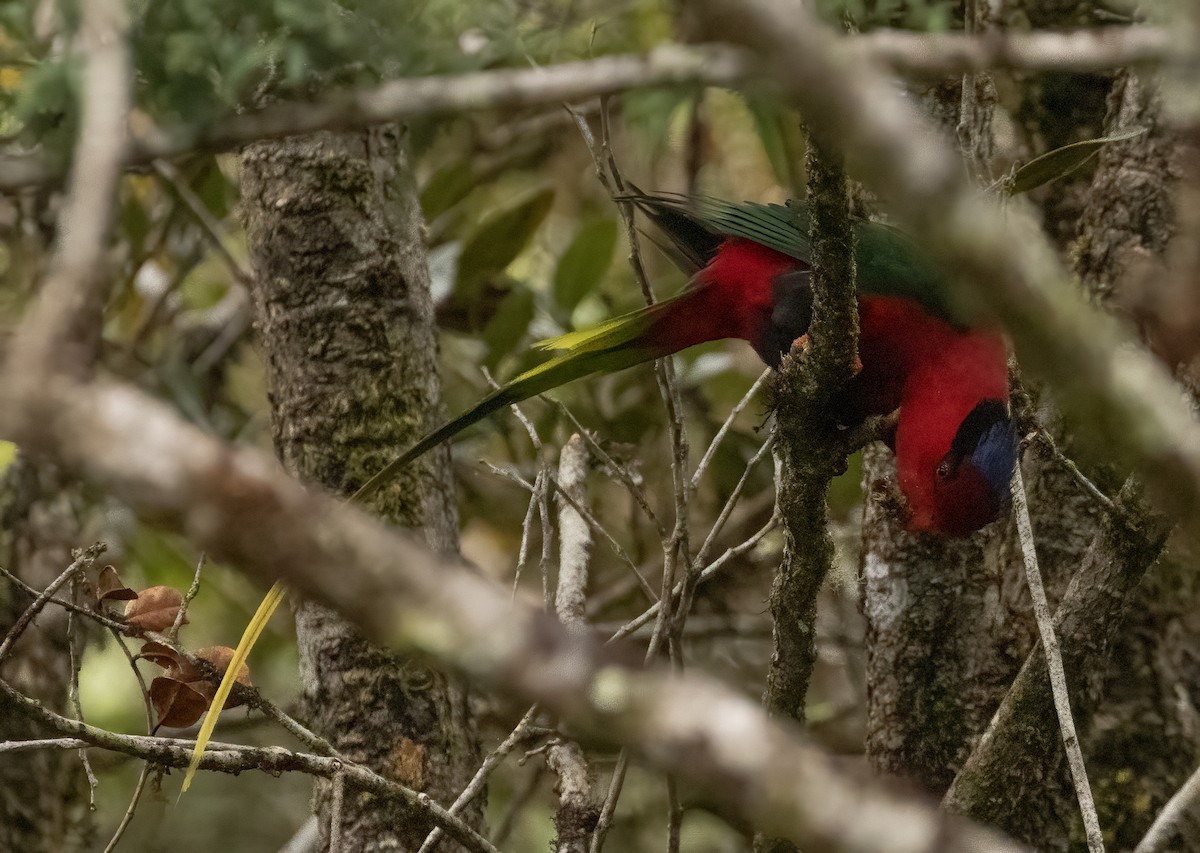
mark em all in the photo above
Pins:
pixel 249 638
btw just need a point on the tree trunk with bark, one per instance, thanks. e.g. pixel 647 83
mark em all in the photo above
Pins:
pixel 949 624
pixel 43 793
pixel 344 315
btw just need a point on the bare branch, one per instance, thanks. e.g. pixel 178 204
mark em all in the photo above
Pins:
pixel 577 812
pixel 237 758
pixel 1178 823
pixel 1054 666
pixel 62 329
pixel 993 785
pixel 947 54
pixel 238 505
pixel 407 99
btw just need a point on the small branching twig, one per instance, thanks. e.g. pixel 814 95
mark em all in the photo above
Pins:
pixel 83 560
pixel 707 458
pixel 475 787
pixel 193 590
pixel 1054 665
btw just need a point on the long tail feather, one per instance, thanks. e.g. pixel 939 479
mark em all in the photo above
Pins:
pixel 622 342
pixel 615 345
pixel 249 638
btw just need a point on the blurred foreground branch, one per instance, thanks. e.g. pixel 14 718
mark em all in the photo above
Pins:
pixel 238 505
pixel 919 54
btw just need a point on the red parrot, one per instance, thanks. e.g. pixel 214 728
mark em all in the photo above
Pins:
pixel 955 444
pixel 954 441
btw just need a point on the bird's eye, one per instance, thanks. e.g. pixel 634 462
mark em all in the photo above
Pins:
pixel 943 470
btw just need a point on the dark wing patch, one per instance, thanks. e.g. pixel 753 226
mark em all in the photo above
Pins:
pixel 988 438
pixel 791 313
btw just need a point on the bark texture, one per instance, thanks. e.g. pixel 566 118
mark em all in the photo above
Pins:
pixel 1145 739
pixel 343 311
pixel 43 794
pixel 948 623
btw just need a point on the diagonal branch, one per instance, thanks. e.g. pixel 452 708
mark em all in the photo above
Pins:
pixel 406 99
pixel 62 329
pixel 238 505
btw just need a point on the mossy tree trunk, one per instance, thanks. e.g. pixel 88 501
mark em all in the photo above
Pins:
pixel 43 793
pixel 344 316
pixel 949 623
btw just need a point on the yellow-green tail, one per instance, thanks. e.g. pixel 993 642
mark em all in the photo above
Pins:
pixel 611 346
pixel 249 638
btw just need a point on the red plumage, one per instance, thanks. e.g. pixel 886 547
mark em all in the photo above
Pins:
pixel 935 373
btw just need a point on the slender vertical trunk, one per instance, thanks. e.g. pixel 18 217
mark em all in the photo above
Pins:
pixel 43 794
pixel 344 314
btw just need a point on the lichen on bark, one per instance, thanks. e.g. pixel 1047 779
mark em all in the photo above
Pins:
pixel 344 315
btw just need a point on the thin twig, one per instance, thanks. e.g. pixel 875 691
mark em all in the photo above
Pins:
pixel 609 806
pixel 13 747
pixel 237 758
pixel 336 801
pixel 100 618
pixel 620 471
pixel 725 427
pixel 75 654
pixel 475 787
pixel 708 573
pixel 83 559
pixel 173 631
pixel 1054 665
pixel 591 520
pixel 1044 437
pixel 136 797
pixel 127 818
pixel 212 230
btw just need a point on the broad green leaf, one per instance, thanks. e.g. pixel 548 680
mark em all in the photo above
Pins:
pixel 1062 161
pixel 445 188
pixel 215 190
pixel 509 324
pixel 773 125
pixel 585 262
pixel 499 239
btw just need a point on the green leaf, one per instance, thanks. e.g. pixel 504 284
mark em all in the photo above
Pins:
pixel 499 239
pixel 509 325
pixel 585 262
pixel 772 125
pixel 446 187
pixel 1063 161
pixel 215 190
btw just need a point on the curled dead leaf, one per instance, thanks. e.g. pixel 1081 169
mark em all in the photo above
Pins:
pixel 177 704
pixel 110 587
pixel 155 608
pixel 162 655
pixel 220 658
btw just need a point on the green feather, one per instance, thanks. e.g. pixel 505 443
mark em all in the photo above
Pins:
pixel 888 262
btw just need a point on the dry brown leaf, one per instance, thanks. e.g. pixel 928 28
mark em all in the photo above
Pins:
pixel 220 657
pixel 160 655
pixel 110 587
pixel 177 704
pixel 155 608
